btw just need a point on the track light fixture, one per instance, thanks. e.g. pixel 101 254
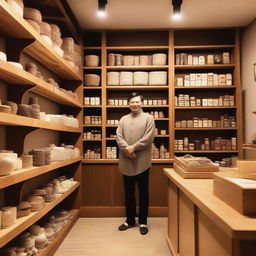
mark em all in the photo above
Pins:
pixel 102 7
pixel 176 5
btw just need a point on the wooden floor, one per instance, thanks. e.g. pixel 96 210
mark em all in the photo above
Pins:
pixel 100 237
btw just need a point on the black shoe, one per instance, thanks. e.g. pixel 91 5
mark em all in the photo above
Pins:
pixel 143 229
pixel 125 226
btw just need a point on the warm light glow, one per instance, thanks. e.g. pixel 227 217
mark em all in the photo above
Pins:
pixel 101 14
pixel 176 16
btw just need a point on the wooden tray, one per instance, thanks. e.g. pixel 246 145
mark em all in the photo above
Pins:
pixel 191 175
pixel 187 168
pixel 239 195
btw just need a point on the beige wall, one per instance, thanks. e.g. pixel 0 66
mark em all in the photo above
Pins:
pixel 248 57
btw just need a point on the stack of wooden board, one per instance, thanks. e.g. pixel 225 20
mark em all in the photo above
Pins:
pixel 195 167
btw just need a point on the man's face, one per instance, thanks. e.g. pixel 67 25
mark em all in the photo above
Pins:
pixel 135 104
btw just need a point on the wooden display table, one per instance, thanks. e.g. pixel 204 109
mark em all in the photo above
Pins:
pixel 199 223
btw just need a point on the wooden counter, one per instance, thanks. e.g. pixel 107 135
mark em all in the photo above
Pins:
pixel 199 223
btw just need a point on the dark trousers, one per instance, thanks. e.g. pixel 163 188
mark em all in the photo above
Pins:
pixel 130 202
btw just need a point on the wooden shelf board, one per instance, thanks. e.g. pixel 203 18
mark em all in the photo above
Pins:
pixel 92 125
pixel 14 75
pixel 214 66
pixel 149 67
pixel 43 53
pixel 111 125
pixel 110 138
pixel 205 129
pixel 17 120
pixel 92 106
pixel 205 87
pixel 53 246
pixel 206 151
pixel 92 139
pixel 161 119
pixel 12 24
pixel 221 46
pixel 99 161
pixel 143 106
pixel 25 174
pixel 137 48
pixel 201 107
pixel 92 87
pixel 23 223
pixel 137 87
pixel 162 136
pixel 92 48
pixel 91 68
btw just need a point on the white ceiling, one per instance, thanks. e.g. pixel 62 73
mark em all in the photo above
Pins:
pixel 147 14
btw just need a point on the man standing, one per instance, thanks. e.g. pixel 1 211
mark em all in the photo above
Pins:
pixel 135 134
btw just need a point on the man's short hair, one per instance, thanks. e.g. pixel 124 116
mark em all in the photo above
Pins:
pixel 134 94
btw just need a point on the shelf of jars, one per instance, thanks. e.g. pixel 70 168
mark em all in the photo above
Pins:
pixel 144 106
pixel 205 151
pixel 148 67
pixel 92 125
pixel 12 74
pixel 214 66
pixel 23 223
pixel 201 107
pixel 136 87
pixel 17 120
pixel 221 46
pixel 28 173
pixel 92 88
pixel 92 68
pixel 92 139
pixel 137 48
pixel 51 248
pixel 204 87
pixel 205 129
pixel 17 27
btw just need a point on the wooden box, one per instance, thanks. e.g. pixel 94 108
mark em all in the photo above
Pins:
pixel 181 163
pixel 246 166
pixel 191 175
pixel 236 191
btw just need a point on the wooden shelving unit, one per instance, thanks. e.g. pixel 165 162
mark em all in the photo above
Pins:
pixel 21 224
pixel 16 31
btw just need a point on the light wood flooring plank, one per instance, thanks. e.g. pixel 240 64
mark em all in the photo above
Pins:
pixel 100 236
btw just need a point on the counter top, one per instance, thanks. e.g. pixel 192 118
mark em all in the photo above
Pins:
pixel 200 192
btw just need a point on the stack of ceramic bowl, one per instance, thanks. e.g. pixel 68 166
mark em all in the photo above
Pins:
pixel 31 68
pixel 45 32
pixel 23 209
pixel 159 59
pixel 68 48
pixel 38 157
pixel 37 202
pixel 140 78
pixel 17 6
pixel 50 233
pixel 9 216
pixel 57 187
pixel 67 184
pixel 3 56
pixel 113 78
pixel 128 60
pixel 33 17
pixel 58 154
pixel 111 59
pixel 62 217
pixel 92 60
pixel 126 78
pixel 27 161
pixel 24 110
pixel 13 106
pixel 5 109
pixel 8 162
pixel 35 111
pixel 91 80
pixel 49 197
pixel 157 78
pixel 27 241
pixel 40 238
pixel 56 39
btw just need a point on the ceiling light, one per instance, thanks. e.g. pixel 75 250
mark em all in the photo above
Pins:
pixel 176 4
pixel 102 8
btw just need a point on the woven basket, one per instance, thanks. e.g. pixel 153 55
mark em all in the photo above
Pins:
pixel 33 14
pixel 45 29
pixel 111 59
pixel 91 80
pixel 144 60
pixel 34 24
pixel 128 60
pixel 126 78
pixel 113 78
pixel 157 78
pixel 92 60
pixel 140 78
pixel 159 59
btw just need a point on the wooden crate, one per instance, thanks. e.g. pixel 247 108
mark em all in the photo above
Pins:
pixel 187 168
pixel 191 175
pixel 238 195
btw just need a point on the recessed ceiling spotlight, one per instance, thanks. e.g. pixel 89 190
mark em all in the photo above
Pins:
pixel 176 7
pixel 102 8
